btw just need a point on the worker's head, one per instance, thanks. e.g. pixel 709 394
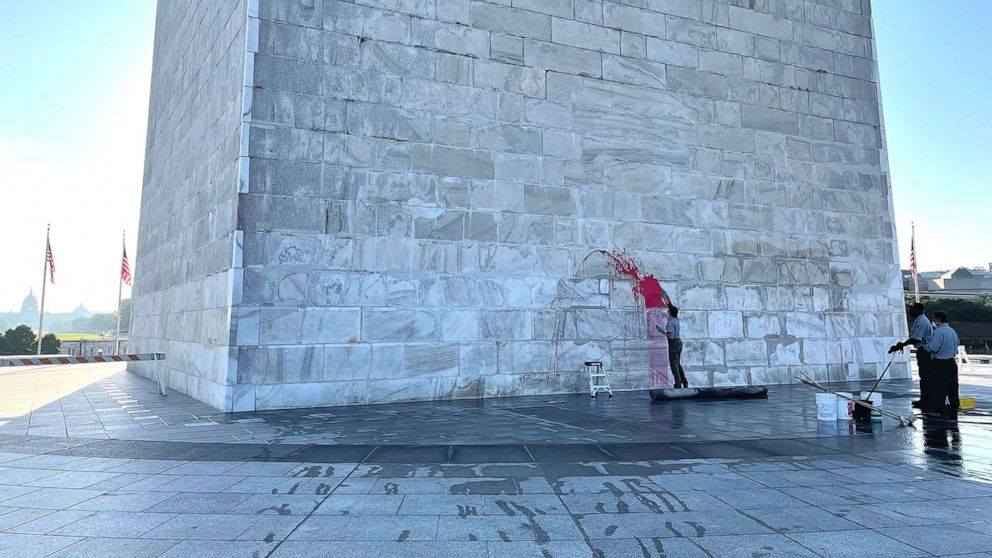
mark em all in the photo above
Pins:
pixel 673 311
pixel 940 317
pixel 917 309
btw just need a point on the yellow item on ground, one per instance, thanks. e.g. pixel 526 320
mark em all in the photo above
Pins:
pixel 967 402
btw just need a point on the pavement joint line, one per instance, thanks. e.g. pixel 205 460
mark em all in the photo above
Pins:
pixel 608 454
pixel 314 510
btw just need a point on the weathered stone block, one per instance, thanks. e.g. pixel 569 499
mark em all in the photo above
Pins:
pixel 366 21
pixel 760 23
pixel 761 325
pixel 450 38
pixel 346 363
pixel 388 122
pixel 512 21
pixel 804 325
pixel 561 58
pixel 691 32
pixel 746 353
pixel 506 48
pixel 389 325
pixel 695 82
pixel 629 18
pixel 584 35
pixel 447 161
pixel 430 361
pixel 724 325
pixel 773 120
pixel 634 70
pixel 506 77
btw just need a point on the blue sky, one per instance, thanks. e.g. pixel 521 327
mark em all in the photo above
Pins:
pixel 935 62
pixel 73 111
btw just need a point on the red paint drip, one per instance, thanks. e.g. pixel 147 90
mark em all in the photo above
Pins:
pixel 647 287
pixel 656 301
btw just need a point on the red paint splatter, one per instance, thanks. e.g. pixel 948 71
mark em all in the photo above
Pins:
pixel 647 287
pixel 656 303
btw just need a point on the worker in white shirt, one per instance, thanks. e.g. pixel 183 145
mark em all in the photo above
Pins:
pixel 943 349
pixel 920 333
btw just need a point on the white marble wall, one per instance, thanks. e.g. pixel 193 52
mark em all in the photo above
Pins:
pixel 187 279
pixel 420 181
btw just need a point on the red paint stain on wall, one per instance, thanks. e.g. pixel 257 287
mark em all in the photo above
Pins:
pixel 646 287
pixel 656 302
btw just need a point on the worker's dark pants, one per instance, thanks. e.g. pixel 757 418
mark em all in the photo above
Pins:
pixel 925 363
pixel 675 361
pixel 945 385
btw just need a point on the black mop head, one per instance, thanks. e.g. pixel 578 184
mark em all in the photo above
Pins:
pixel 732 392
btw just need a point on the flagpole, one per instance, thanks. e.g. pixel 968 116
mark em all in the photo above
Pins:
pixel 916 269
pixel 44 281
pixel 120 288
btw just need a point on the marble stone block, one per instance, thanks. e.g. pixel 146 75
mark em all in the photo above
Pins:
pixel 723 324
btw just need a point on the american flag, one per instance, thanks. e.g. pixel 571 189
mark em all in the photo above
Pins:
pixel 912 255
pixel 50 260
pixel 125 269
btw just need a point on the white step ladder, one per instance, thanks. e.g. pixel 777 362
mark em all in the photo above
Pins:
pixel 598 380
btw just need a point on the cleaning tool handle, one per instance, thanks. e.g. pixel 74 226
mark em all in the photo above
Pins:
pixel 882 375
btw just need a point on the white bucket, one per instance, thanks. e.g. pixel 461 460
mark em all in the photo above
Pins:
pixel 845 407
pixel 876 401
pixel 826 407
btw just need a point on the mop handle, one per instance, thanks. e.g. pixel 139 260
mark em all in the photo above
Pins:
pixel 882 375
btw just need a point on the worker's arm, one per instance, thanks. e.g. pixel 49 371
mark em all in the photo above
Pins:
pixel 903 344
pixel 916 335
pixel 667 335
pixel 935 344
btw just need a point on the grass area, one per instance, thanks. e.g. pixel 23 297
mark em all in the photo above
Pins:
pixel 79 336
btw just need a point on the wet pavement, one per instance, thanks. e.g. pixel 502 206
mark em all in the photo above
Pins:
pixel 93 462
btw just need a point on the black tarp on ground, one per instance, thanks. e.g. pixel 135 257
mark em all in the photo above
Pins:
pixel 732 392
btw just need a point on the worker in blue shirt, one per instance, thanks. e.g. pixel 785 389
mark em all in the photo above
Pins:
pixel 943 349
pixel 673 331
pixel 920 333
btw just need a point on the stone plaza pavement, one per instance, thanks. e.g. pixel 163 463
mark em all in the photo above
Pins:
pixel 93 462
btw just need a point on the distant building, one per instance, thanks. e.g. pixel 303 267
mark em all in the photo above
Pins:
pixel 962 282
pixel 28 315
pixel 92 346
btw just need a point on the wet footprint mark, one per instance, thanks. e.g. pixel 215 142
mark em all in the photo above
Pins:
pixel 311 471
pixel 281 510
pixel 315 471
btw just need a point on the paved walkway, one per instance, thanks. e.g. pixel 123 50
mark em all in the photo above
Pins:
pixel 104 401
pixel 94 463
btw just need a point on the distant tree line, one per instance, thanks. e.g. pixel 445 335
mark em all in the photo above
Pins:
pixel 958 310
pixel 102 322
pixel 22 340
